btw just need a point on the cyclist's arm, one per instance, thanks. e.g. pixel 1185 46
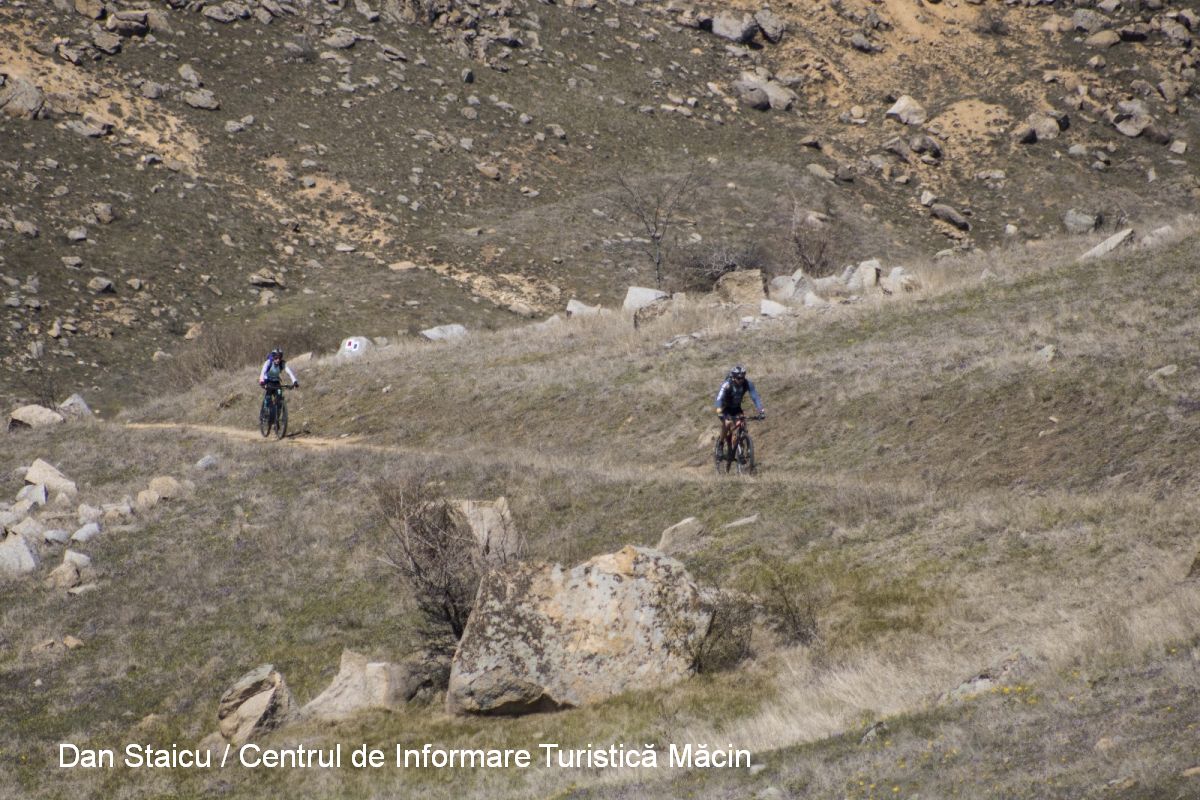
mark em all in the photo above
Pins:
pixel 754 396
pixel 291 374
pixel 262 374
pixel 720 402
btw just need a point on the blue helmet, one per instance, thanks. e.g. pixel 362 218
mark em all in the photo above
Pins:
pixel 737 372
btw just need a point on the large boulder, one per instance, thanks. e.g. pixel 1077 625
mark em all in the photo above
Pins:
pixel 364 685
pixel 17 557
pixel 33 416
pixel 492 524
pixel 543 637
pixel 41 473
pixel 257 703
pixel 743 286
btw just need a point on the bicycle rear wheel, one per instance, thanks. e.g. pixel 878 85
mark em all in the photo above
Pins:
pixel 281 420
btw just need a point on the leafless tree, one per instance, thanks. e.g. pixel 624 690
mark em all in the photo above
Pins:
pixel 656 210
pixel 435 553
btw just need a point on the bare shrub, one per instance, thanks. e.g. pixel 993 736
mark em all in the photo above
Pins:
pixel 992 24
pixel 727 643
pixel 42 381
pixel 699 268
pixel 435 554
pixel 789 603
pixel 813 250
pixel 656 209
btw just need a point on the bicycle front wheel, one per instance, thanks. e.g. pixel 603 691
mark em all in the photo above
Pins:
pixel 264 418
pixel 745 456
pixel 281 421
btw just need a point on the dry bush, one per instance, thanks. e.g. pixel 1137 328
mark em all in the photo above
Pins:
pixel 230 347
pixel 656 210
pixel 435 554
pixel 699 268
pixel 727 642
pixel 814 251
pixel 788 602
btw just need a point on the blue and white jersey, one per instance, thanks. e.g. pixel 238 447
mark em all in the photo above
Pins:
pixel 270 372
pixel 730 395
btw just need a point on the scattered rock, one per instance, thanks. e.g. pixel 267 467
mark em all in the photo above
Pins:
pixel 951 215
pixel 444 332
pixel 772 309
pixel 167 488
pixel 259 702
pixel 147 499
pixel 575 308
pixel 16 556
pixel 771 25
pixel 202 98
pixel 33 416
pixel 99 285
pixel 740 29
pixel 206 463
pixel 45 474
pixel 492 524
pixel 1047 354
pixel 86 533
pixel 637 297
pixel 64 576
pixel 75 407
pixel 1079 222
pixel 742 286
pixel 543 637
pixel 364 685
pixel 1108 245
pixel 20 98
pixel 908 111
pixel 684 537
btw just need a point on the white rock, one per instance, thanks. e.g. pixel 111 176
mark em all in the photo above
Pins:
pixel 89 514
pixel 75 406
pixel 639 297
pixel 30 528
pixel 33 416
pixel 56 536
pixel 769 308
pixel 147 499
pixel 577 309
pixel 17 557
pixel 812 300
pixel 782 288
pixel 166 487
pixel 741 523
pixel 907 110
pixel 86 533
pixel 80 560
pixel 1108 245
pixel 354 347
pixel 48 476
pixel 444 332
pixel 35 493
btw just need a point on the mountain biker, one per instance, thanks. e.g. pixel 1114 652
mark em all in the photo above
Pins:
pixel 729 401
pixel 270 376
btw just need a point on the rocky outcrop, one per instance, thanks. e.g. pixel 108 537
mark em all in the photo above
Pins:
pixel 258 702
pixel 42 473
pixel 543 637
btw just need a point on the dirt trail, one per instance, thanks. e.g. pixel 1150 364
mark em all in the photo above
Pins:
pixel 552 463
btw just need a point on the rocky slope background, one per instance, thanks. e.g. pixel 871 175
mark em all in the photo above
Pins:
pixel 298 172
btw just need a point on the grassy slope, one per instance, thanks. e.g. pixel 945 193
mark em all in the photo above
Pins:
pixel 912 476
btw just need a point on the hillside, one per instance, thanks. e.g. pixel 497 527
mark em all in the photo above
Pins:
pixel 305 171
pixel 995 540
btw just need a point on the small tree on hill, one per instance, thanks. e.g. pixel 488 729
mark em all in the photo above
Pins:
pixel 656 210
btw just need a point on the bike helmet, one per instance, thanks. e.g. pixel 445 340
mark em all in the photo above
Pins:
pixel 737 372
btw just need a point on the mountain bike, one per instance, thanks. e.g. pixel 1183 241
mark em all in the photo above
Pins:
pixel 739 453
pixel 273 413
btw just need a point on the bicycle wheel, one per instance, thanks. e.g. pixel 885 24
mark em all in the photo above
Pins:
pixel 745 455
pixel 281 419
pixel 719 459
pixel 264 418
